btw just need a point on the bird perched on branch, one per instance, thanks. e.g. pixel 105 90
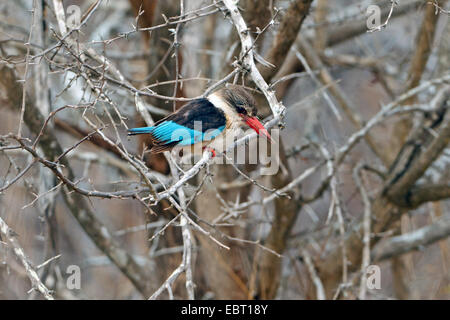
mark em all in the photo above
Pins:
pixel 204 121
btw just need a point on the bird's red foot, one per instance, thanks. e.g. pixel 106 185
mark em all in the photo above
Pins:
pixel 213 152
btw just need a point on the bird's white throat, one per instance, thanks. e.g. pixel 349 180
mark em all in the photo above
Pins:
pixel 234 121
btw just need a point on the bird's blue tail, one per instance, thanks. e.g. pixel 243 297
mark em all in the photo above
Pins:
pixel 142 130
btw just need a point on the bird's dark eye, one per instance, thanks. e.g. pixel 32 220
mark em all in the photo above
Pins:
pixel 241 110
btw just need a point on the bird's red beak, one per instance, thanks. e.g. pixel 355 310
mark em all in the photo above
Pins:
pixel 254 123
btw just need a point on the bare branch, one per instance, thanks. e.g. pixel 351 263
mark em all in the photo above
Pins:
pixel 248 62
pixel 9 235
pixel 415 240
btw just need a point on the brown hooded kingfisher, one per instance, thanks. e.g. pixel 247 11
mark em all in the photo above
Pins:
pixel 203 121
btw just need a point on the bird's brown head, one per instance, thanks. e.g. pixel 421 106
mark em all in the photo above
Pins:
pixel 238 98
pixel 244 105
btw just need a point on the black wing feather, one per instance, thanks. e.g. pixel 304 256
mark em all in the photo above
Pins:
pixel 197 110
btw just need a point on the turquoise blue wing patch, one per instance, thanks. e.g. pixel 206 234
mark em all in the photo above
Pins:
pixel 169 132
